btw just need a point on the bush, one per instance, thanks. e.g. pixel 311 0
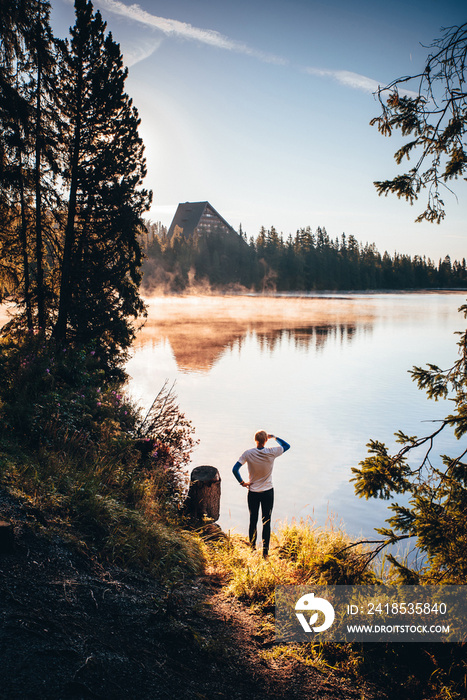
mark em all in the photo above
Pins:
pixel 73 445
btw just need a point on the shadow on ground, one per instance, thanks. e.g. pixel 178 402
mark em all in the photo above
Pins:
pixel 71 629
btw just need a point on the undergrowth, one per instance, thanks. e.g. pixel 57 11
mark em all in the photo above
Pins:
pixel 300 554
pixel 304 554
pixel 106 476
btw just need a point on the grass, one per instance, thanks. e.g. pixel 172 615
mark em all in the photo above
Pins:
pixel 97 506
pixel 75 450
pixel 300 553
pixel 303 554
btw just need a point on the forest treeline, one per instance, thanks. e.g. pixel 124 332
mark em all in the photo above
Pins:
pixel 306 261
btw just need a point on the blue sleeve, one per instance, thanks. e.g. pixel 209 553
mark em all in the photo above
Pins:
pixel 236 472
pixel 283 444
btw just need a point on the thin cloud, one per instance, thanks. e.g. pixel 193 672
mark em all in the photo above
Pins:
pixel 347 78
pixel 210 37
pixel 173 27
pixel 355 80
pixel 135 52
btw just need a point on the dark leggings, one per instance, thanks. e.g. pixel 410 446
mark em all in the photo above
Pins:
pixel 266 500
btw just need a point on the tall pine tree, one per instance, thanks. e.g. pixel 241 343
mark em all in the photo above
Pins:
pixel 14 136
pixel 29 145
pixel 44 56
pixel 100 267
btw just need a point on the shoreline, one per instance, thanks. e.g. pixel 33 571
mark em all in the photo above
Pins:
pixel 316 294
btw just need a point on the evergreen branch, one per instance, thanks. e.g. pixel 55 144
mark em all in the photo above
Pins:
pixel 438 125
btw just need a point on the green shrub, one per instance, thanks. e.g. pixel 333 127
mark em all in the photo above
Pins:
pixel 100 471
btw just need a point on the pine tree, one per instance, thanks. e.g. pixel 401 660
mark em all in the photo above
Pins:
pixel 45 137
pixel 100 269
pixel 14 132
pixel 435 119
pixel 43 59
pixel 29 145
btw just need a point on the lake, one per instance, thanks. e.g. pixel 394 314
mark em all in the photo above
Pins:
pixel 324 372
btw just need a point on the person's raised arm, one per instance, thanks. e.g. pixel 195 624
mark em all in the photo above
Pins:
pixel 285 445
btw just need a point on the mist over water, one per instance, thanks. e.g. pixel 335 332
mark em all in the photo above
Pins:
pixel 326 373
pixel 200 329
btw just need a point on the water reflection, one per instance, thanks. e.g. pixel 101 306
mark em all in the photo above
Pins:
pixel 312 338
pixel 200 330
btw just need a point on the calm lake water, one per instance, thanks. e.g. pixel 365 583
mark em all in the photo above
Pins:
pixel 326 373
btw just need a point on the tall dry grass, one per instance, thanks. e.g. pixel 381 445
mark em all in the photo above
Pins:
pixel 301 553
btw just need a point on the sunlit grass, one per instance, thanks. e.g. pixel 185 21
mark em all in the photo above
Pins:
pixel 301 553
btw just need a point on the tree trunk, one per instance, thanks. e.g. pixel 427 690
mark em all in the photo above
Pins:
pixel 204 495
pixel 37 182
pixel 70 233
pixel 24 245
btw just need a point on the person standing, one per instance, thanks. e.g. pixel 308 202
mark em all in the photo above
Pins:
pixel 260 462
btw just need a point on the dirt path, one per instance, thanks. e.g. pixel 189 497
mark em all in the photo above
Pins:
pixel 73 630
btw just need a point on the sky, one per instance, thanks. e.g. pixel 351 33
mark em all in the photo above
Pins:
pixel 262 108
